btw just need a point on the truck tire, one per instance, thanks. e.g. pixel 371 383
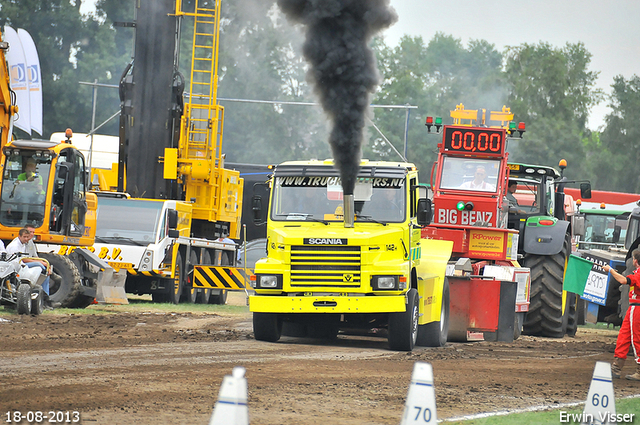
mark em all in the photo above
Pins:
pixel 177 284
pixel 267 327
pixel 204 294
pixel 544 317
pixel 220 298
pixel 37 302
pixel 65 287
pixel 23 299
pixel 403 326
pixel 435 334
pixel 570 318
pixel 190 293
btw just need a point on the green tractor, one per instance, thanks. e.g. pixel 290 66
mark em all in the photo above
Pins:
pixel 544 246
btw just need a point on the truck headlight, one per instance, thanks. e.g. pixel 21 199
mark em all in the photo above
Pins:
pixel 384 283
pixel 269 281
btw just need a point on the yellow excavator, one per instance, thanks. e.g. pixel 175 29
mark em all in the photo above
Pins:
pixel 43 184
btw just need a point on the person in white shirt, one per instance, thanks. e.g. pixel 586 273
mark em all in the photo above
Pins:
pixel 478 182
pixel 21 245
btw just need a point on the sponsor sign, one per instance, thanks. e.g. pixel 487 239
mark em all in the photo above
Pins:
pixel 487 243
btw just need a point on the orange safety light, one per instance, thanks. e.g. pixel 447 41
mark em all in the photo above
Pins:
pixel 578 202
pixel 602 206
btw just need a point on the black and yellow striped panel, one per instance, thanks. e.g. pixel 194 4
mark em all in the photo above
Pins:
pixel 230 278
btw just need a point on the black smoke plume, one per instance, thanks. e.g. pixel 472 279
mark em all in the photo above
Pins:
pixel 343 67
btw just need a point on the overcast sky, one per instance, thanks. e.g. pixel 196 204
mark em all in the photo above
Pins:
pixel 609 29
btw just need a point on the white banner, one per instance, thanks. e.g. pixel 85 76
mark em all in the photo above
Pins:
pixel 18 78
pixel 35 80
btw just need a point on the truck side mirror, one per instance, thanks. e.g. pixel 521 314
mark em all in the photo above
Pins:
pixel 578 226
pixel 63 170
pixel 616 234
pixel 424 211
pixel 256 207
pixel 172 219
pixel 585 190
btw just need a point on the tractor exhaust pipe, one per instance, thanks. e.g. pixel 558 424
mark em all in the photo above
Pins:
pixel 349 216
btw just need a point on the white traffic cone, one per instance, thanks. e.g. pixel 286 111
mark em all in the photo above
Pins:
pixel 600 407
pixel 420 407
pixel 231 407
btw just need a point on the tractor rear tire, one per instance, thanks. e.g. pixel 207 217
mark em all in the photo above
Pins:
pixel 435 334
pixel 403 326
pixel 68 289
pixel 545 317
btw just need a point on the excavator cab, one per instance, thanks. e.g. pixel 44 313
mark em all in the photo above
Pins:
pixel 44 184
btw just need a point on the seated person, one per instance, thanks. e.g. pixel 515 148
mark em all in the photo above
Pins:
pixel 29 184
pixel 21 245
pixel 513 202
pixel 30 173
pixel 478 182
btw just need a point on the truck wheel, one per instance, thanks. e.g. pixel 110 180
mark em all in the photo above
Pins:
pixel 190 293
pixel 176 284
pixel 435 334
pixel 327 328
pixel 37 300
pixel 267 327
pixel 544 317
pixel 205 293
pixel 159 297
pixel 570 318
pixel 23 299
pixel 65 283
pixel 517 325
pixel 221 297
pixel 403 327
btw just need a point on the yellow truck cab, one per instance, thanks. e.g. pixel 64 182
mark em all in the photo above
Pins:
pixel 337 261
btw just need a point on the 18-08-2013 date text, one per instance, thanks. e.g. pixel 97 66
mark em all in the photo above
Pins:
pixel 42 417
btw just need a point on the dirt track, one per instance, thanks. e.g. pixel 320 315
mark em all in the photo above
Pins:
pixel 151 368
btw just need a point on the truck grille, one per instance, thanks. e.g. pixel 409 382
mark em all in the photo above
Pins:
pixel 328 266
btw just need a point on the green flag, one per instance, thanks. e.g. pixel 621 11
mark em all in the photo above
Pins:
pixel 576 274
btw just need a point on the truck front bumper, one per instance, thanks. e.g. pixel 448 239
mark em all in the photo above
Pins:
pixel 327 304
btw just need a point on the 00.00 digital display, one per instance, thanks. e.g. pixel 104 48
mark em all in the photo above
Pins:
pixel 473 140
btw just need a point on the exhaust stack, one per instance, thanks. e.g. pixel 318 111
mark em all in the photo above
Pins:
pixel 349 216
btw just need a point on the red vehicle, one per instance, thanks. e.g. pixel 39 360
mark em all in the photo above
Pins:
pixel 489 289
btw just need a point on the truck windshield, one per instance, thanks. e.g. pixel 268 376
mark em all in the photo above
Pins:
pixel 24 186
pixel 469 174
pixel 314 198
pixel 128 221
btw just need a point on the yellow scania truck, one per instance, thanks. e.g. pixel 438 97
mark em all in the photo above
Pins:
pixel 356 261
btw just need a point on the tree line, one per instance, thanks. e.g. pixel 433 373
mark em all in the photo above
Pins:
pixel 550 88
